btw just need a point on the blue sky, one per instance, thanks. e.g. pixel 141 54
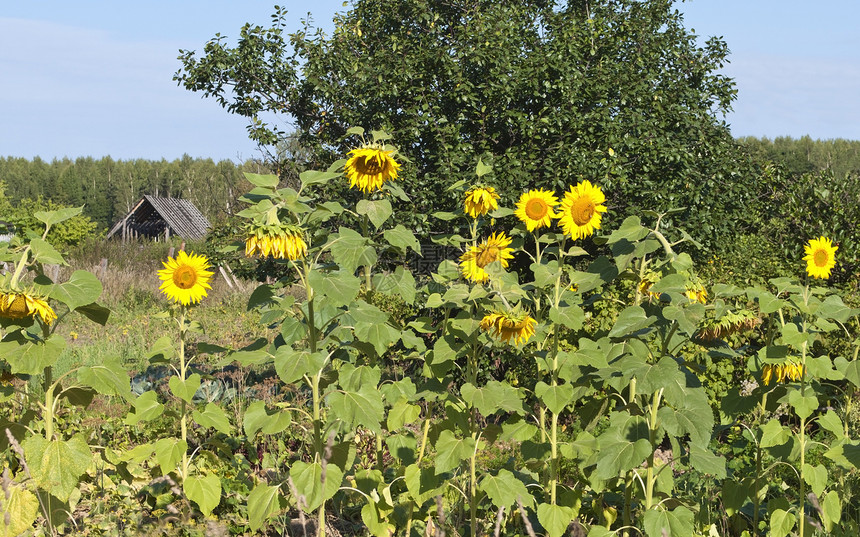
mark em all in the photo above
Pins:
pixel 94 78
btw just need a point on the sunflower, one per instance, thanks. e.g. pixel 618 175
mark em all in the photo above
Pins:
pixel 369 167
pixel 286 243
pixel 535 208
pixel 580 210
pixel 781 372
pixel 14 305
pixel 820 257
pixel 730 323
pixel 480 200
pixel 696 292
pixel 512 325
pixel 495 248
pixel 185 279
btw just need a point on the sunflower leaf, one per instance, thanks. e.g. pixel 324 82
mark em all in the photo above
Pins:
pixel 46 254
pixel 82 288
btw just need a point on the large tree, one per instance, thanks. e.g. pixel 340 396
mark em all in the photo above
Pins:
pixel 615 91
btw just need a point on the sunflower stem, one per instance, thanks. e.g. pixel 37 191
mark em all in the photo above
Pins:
pixel 19 268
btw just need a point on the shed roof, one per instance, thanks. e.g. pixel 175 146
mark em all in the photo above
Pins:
pixel 152 214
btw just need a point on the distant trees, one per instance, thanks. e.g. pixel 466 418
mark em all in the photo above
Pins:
pixel 108 188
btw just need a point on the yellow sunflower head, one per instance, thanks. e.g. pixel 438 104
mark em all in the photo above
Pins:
pixel 494 248
pixel 787 371
pixel 480 200
pixel 820 257
pixel 581 210
pixel 696 292
pixel 185 278
pixel 535 209
pixel 518 326
pixel 282 243
pixel 20 305
pixel 368 167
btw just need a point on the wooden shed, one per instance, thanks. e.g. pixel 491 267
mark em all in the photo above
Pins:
pixel 157 218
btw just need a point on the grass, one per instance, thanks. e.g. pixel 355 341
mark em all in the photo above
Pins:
pixel 131 291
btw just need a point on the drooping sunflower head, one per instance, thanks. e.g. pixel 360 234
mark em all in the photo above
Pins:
pixel 494 248
pixel 20 305
pixel 820 257
pixel 285 242
pixel 185 278
pixel 480 200
pixel 368 167
pixel 786 371
pixel 516 325
pixel 535 209
pixel 696 292
pixel 581 210
pixel 730 323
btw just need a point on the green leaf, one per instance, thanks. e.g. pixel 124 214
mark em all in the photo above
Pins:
pixel 213 416
pixel 56 465
pixel 363 407
pixel 781 523
pixel 21 506
pixel 94 312
pixel 852 373
pixel 184 389
pixel 482 169
pixel 292 365
pixel 402 238
pixel 109 378
pixel 568 316
pixel 402 413
pixel 422 483
pixel 450 451
pixel 556 398
pixel 258 418
pixel 623 446
pixel 168 453
pixel 494 397
pixel 707 462
pixel 694 417
pixel 554 518
pixel 379 334
pixel 676 523
pixel 734 495
pixel 831 510
pixel 263 502
pixel 83 288
pixel 204 491
pixel 403 446
pixel 504 488
pixel 351 250
pixel 28 357
pixel 804 405
pixel 46 254
pixel 816 477
pixel 315 177
pixel 340 287
pixel 146 407
pixel 308 478
pixel 631 322
pixel 265 181
pixel 831 422
pixel 399 283
pixel 55 217
pixel 774 434
pixel 377 211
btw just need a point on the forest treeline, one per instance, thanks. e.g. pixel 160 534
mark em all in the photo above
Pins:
pixel 108 188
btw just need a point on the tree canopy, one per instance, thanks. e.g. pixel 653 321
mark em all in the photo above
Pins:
pixel 618 92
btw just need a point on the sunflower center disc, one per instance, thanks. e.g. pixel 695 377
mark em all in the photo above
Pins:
pixel 371 166
pixel 487 256
pixel 184 277
pixel 820 258
pixel 582 210
pixel 536 209
pixel 18 308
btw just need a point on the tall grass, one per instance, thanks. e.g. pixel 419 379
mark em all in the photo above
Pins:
pixel 129 275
